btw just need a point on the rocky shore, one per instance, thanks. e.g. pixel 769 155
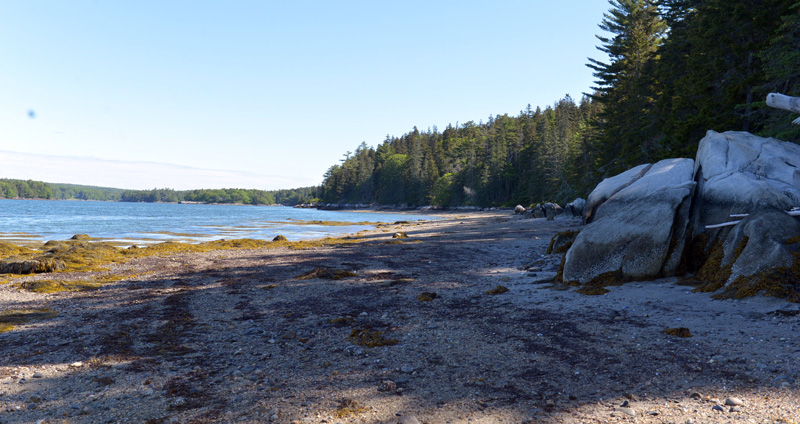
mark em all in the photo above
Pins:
pixel 459 322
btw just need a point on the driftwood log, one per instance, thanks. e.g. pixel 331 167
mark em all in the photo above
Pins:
pixel 795 211
pixel 780 101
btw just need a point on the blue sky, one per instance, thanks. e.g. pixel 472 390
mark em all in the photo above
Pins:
pixel 263 94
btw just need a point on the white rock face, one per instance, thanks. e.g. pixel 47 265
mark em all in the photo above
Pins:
pixel 609 186
pixel 638 221
pixel 738 173
pixel 575 207
pixel 766 247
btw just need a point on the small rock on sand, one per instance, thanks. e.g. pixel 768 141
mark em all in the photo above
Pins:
pixel 628 411
pixel 732 401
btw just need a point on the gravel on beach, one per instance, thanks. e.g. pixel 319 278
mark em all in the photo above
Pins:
pixel 410 330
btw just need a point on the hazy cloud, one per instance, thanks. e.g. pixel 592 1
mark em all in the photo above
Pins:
pixel 135 175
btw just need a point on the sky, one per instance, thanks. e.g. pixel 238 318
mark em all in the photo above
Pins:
pixel 265 94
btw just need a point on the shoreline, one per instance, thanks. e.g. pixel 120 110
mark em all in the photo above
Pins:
pixel 127 229
pixel 264 335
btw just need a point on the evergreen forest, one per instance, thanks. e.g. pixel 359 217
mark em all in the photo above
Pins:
pixel 29 189
pixel 287 197
pixel 667 72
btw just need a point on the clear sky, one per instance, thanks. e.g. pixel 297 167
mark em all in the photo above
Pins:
pixel 265 94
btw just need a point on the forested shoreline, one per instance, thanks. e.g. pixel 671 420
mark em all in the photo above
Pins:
pixel 29 189
pixel 671 70
pixel 675 69
pixel 286 197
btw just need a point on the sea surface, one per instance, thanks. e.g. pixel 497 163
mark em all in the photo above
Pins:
pixel 144 223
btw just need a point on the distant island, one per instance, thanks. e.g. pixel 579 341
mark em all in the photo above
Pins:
pixel 30 189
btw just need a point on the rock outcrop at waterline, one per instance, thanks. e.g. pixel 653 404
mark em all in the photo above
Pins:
pixel 722 217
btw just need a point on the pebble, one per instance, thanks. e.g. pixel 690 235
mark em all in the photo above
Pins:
pixel 387 386
pixel 408 419
pixel 407 368
pixel 354 351
pixel 38 375
pixel 732 401
pixel 735 409
pixel 76 364
pixel 628 411
pixel 717 408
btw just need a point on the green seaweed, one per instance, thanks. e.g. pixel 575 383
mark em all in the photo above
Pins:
pixel 326 273
pixel 80 255
pixel 678 332
pixel 426 296
pixel 10 318
pixel 557 238
pixel 497 290
pixel 592 290
pixel 713 274
pixel 783 282
pixel 371 338
pixel 348 407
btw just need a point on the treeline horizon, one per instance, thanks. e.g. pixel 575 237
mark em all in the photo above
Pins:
pixel 286 197
pixel 674 69
pixel 31 189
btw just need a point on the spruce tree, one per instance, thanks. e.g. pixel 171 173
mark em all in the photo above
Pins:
pixel 625 85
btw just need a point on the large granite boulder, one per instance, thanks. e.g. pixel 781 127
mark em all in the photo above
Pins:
pixel 740 173
pixel 754 180
pixel 610 186
pixel 575 207
pixel 636 227
pixel 721 218
pixel 547 210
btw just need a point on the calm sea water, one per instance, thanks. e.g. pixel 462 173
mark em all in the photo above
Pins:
pixel 140 223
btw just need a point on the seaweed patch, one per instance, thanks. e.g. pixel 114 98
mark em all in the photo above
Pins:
pixel 9 319
pixel 326 274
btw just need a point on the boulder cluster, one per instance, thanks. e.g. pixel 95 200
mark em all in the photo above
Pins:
pixel 725 219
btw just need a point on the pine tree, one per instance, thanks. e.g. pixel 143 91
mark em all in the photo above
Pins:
pixel 710 69
pixel 625 85
pixel 781 60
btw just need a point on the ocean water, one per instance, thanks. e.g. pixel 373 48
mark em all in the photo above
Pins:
pixel 143 223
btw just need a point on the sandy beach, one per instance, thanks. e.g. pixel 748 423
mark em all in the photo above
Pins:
pixel 387 330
